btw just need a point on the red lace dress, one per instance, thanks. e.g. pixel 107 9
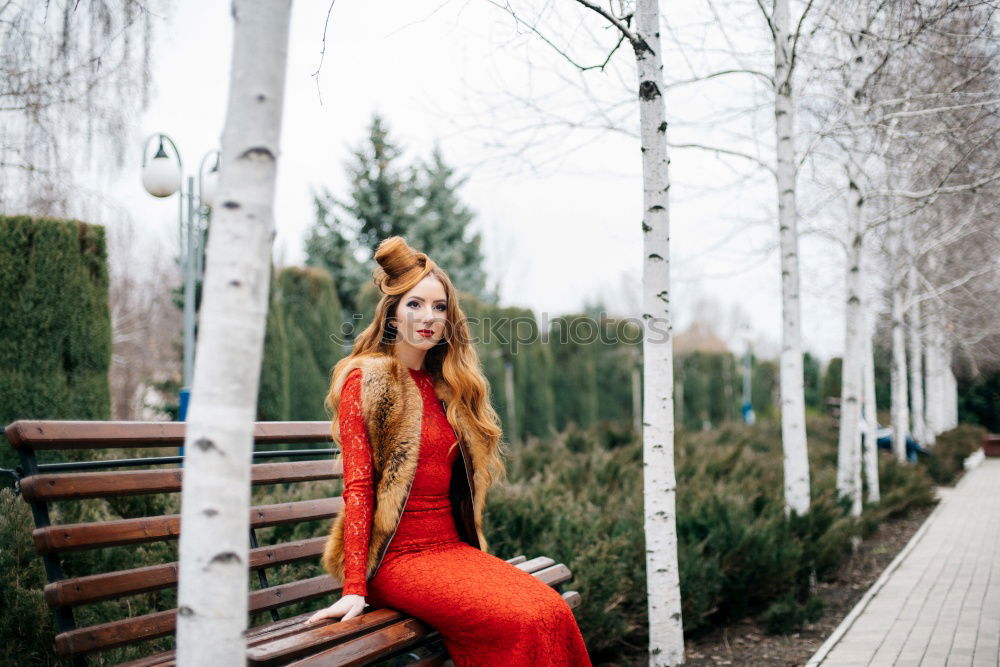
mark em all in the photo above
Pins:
pixel 487 611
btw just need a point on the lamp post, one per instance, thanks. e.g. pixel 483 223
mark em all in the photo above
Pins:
pixel 161 176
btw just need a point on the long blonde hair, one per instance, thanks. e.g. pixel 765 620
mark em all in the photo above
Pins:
pixel 454 359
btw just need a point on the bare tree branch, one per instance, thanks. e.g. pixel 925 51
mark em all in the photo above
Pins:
pixel 617 22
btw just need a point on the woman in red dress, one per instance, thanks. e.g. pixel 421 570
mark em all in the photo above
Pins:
pixel 410 535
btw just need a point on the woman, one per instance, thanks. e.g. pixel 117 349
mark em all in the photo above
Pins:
pixel 410 536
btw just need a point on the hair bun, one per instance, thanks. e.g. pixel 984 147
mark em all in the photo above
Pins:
pixel 400 267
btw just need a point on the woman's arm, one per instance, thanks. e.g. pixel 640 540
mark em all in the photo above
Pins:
pixel 358 494
pixel 358 501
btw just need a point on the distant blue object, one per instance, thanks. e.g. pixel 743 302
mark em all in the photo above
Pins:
pixel 185 398
pixel 913 448
pixel 748 416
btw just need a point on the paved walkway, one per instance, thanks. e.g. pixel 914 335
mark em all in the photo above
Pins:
pixel 938 602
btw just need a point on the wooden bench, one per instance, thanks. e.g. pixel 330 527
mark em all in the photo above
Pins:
pixel 991 444
pixel 373 636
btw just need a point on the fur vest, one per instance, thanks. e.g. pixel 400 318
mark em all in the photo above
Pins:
pixel 392 407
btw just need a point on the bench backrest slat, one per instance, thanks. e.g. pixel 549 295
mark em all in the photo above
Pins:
pixel 135 482
pixel 110 585
pixel 56 434
pixel 70 537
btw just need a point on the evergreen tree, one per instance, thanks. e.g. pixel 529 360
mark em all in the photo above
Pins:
pixel 831 380
pixel 418 202
pixel 381 204
pixel 811 381
pixel 312 323
pixel 383 194
pixel 329 245
pixel 574 377
pixel 696 391
pixel 978 400
pixel 273 398
pixel 533 377
pixel 764 387
pixel 440 226
pixel 883 361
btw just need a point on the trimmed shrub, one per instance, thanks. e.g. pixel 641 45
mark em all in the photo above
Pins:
pixel 788 615
pixel 978 399
pixel 950 450
pixel 27 632
pixel 55 336
pixel 578 498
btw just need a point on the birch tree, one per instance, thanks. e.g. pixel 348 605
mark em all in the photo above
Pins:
pixel 899 407
pixel 941 117
pixel 849 441
pixel 937 364
pixel 666 635
pixel 916 385
pixel 786 40
pixel 866 40
pixel 870 452
pixel 214 541
pixel 898 381
pixel 793 407
pixel 879 45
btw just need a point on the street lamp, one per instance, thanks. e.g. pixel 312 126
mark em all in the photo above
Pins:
pixel 161 176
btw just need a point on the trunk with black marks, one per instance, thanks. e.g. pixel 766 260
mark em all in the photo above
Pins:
pixel 792 385
pixel 214 541
pixel 666 637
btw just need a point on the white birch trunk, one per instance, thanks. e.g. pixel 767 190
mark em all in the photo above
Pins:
pixel 871 419
pixel 952 398
pixel 666 637
pixel 930 430
pixel 934 371
pixel 849 443
pixel 214 541
pixel 942 389
pixel 793 407
pixel 946 392
pixel 914 325
pixel 897 377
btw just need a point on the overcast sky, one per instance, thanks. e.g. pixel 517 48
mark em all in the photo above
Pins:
pixel 559 210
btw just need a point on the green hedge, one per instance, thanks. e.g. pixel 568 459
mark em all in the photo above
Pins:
pixel 950 450
pixel 55 333
pixel 55 353
pixel 313 317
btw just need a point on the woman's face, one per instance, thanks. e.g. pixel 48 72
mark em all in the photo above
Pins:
pixel 421 315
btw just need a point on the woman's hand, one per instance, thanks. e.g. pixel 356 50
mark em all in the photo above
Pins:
pixel 347 607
